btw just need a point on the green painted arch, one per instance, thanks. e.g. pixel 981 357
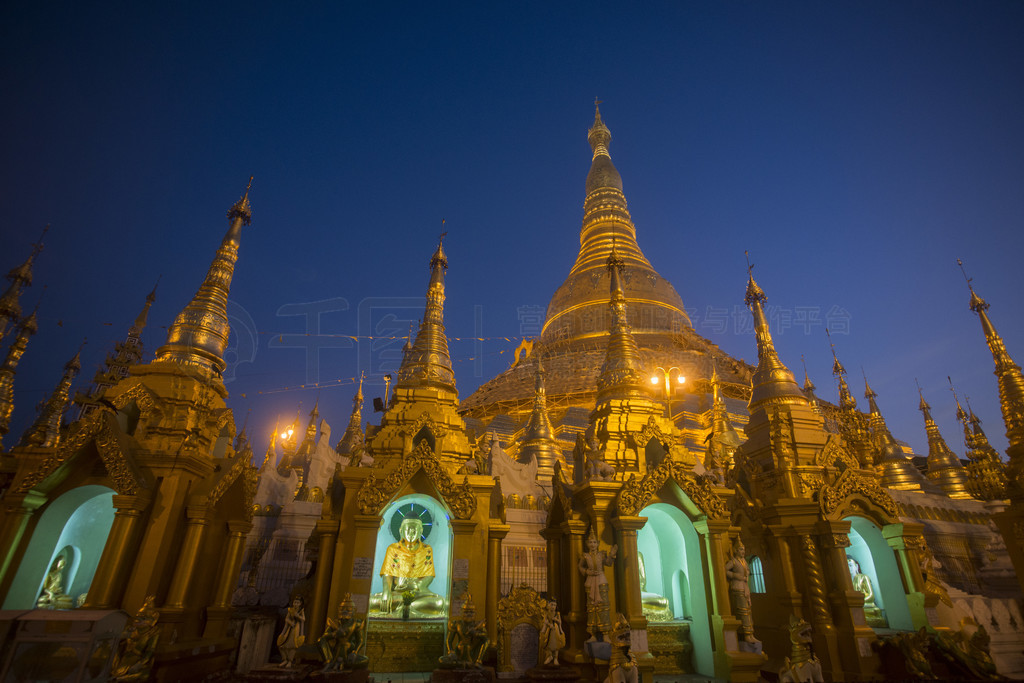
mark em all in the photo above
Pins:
pixel 75 524
pixel 672 557
pixel 878 560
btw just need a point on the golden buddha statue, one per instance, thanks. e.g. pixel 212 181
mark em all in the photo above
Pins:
pixel 656 607
pixel 862 584
pixel 53 596
pixel 407 570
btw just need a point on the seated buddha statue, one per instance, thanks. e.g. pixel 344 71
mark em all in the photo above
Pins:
pixel 656 607
pixel 407 570
pixel 862 583
pixel 52 595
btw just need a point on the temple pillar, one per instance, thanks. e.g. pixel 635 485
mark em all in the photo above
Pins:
pixel 108 583
pixel 576 617
pixel 629 591
pixel 854 635
pixel 195 530
pixel 14 523
pixel 824 630
pixel 495 534
pixel 319 607
pixel 906 539
pixel 554 557
pixel 219 612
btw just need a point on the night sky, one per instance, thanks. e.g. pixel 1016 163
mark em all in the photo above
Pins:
pixel 856 149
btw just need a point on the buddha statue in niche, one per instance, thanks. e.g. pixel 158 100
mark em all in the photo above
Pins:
pixel 656 607
pixel 407 570
pixel 862 583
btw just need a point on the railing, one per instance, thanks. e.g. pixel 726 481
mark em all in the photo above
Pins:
pixel 524 564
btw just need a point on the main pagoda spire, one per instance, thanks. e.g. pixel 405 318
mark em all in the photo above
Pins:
pixel 944 466
pixel 1011 382
pixel 577 309
pixel 772 381
pixel 199 334
pixel 428 361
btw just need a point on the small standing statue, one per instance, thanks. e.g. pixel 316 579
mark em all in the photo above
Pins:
pixel 738 573
pixel 134 658
pixel 591 565
pixel 293 635
pixel 53 596
pixel 552 637
pixel 467 640
pixel 342 638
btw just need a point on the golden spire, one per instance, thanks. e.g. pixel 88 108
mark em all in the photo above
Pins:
pixel 654 306
pixel 846 399
pixel 944 466
pixel 354 432
pixel 271 454
pixel 45 431
pixel 722 430
pixel 809 387
pixel 538 436
pixel 986 475
pixel 621 374
pixel 1011 382
pixel 428 361
pixel 896 469
pixel 199 334
pixel 772 381
pixel 26 328
pixel 115 367
pixel 20 277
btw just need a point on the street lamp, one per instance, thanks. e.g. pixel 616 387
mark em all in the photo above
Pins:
pixel 667 376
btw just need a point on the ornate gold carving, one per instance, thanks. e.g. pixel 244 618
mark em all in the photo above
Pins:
pixel 650 431
pixel 522 604
pixel 811 484
pixel 815 581
pixel 635 495
pixel 101 428
pixel 840 540
pixel 850 483
pixel 913 542
pixel 373 494
pixel 836 450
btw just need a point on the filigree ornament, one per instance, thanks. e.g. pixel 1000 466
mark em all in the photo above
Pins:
pixel 650 431
pixel 840 540
pixel 836 450
pixel 522 603
pixel 240 467
pixel 635 495
pixel 374 495
pixel 849 484
pixel 811 484
pixel 425 420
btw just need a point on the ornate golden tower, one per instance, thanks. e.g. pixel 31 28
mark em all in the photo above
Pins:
pixel 944 468
pixel 45 432
pixel 538 439
pixel 20 277
pixel 891 463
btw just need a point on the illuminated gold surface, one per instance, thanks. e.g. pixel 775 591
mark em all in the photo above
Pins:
pixel 895 468
pixel 772 382
pixel 538 437
pixel 45 431
pixel 428 361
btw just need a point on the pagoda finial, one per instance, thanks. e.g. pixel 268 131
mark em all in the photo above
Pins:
pixel 427 362
pixel 870 395
pixel 538 436
pixel 621 375
pixel 846 399
pixel 772 381
pixel 599 136
pixel 198 336
pixel 26 328
pixel 1011 381
pixel 20 277
pixel 45 432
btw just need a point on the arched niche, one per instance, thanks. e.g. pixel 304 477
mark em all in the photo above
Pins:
pixel 76 525
pixel 671 549
pixel 878 561
pixel 439 539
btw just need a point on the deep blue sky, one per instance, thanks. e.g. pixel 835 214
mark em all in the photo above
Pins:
pixel 856 149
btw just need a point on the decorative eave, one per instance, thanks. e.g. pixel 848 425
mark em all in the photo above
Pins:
pixel 635 495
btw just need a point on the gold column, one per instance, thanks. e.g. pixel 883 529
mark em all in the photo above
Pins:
pixel 194 532
pixel 495 534
pixel 629 600
pixel 237 531
pixel 820 614
pixel 15 521
pixel 327 530
pixel 576 616
pixel 109 581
